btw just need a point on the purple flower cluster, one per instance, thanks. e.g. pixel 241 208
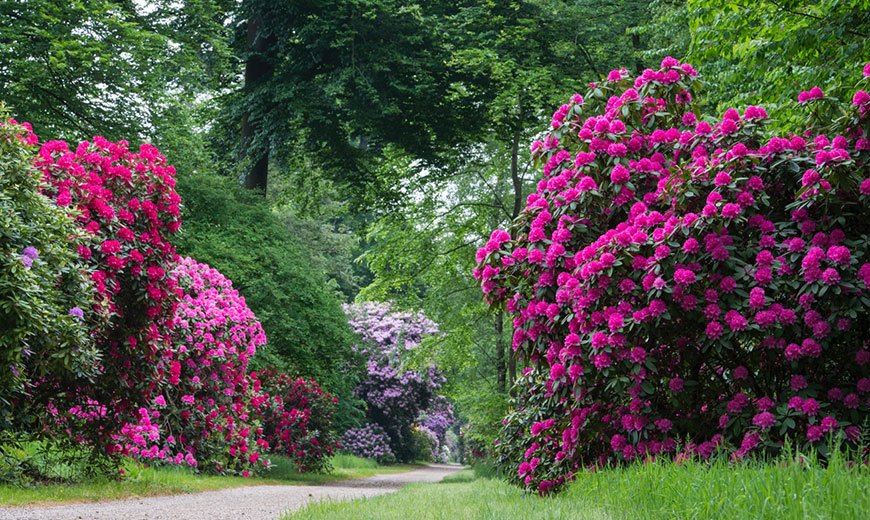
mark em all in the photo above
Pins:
pixel 370 441
pixel 387 332
pixel 28 256
pixel 394 396
pixel 438 417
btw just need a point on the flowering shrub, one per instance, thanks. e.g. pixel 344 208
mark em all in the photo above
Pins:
pixel 44 291
pixel 426 445
pixel 204 410
pixel 395 399
pixel 369 441
pixel 394 396
pixel 166 378
pixel 437 419
pixel 297 419
pixel 386 332
pixel 681 285
pixel 126 204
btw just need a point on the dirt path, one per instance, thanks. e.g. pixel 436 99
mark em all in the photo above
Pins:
pixel 254 502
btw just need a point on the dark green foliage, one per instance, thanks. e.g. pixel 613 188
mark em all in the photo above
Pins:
pixel 425 446
pixel 340 79
pixel 234 232
pixel 41 280
pixel 766 52
pixel 106 67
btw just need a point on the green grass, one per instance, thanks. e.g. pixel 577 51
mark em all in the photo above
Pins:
pixel 653 490
pixel 141 482
pixel 344 467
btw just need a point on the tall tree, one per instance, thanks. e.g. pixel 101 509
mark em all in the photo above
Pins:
pixel 106 67
pixel 766 52
pixel 515 57
pixel 341 78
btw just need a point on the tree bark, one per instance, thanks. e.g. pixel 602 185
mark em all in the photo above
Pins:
pixel 515 175
pixel 635 43
pixel 501 385
pixel 517 182
pixel 258 69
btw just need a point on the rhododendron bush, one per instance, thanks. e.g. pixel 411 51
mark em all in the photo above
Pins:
pixel 44 291
pixel 204 413
pixel 125 348
pixel 395 396
pixel 681 284
pixel 126 203
pixel 369 441
pixel 297 419
pixel 438 418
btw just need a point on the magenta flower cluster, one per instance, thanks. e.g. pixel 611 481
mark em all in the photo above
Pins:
pixel 126 204
pixel 203 415
pixel 173 337
pixel 682 285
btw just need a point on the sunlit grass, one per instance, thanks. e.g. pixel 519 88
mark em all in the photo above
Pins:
pixel 344 467
pixel 641 491
pixel 152 481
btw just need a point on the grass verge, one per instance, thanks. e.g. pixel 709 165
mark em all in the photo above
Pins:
pixel 153 481
pixel 653 490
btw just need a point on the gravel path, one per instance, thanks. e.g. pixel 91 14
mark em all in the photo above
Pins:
pixel 250 503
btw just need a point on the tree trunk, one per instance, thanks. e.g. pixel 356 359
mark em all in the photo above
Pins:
pixel 515 175
pixel 635 43
pixel 517 182
pixel 501 385
pixel 258 69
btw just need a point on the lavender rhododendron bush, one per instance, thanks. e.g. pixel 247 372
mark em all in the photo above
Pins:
pixel 369 441
pixel 682 284
pixel 395 396
pixel 438 418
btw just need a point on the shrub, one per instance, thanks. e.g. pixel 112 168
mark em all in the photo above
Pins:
pixel 251 245
pixel 387 332
pixel 45 294
pixel 126 204
pixel 394 396
pixel 437 419
pixel 394 400
pixel 426 445
pixel 369 441
pixel 297 419
pixel 681 285
pixel 205 408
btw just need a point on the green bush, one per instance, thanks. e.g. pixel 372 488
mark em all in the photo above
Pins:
pixel 235 232
pixel 425 445
pixel 45 294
